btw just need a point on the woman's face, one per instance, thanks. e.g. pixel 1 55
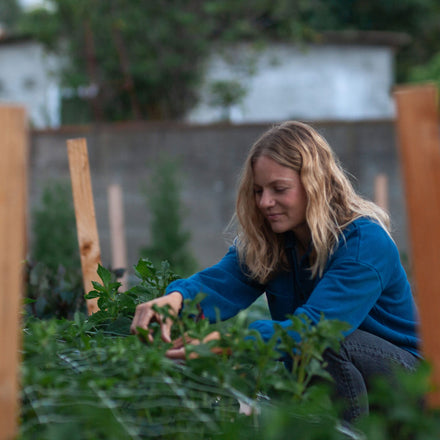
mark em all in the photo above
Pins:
pixel 280 196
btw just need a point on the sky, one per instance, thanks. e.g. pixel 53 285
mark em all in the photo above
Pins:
pixel 29 3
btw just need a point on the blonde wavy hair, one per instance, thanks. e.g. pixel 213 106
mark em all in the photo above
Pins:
pixel 332 203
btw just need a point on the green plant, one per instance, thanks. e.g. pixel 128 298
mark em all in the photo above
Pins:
pixel 53 294
pixel 54 279
pixel 399 408
pixel 225 94
pixel 117 308
pixel 10 14
pixel 169 240
pixel 80 372
pixel 151 72
pixel 429 72
pixel 54 229
pixel 87 379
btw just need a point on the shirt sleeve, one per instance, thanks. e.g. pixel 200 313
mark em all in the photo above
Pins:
pixel 227 287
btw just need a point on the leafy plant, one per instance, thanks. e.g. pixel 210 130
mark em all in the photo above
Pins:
pixel 54 280
pixel 225 94
pixel 53 294
pixel 429 72
pixel 117 308
pixel 54 229
pixel 84 379
pixel 10 13
pixel 169 240
pixel 399 408
pixel 75 373
pixel 153 72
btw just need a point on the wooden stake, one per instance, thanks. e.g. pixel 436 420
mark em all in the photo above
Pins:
pixel 13 199
pixel 87 230
pixel 418 133
pixel 117 237
pixel 381 191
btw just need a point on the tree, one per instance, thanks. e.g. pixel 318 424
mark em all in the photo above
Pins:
pixel 54 230
pixel 10 13
pixel 169 240
pixel 428 72
pixel 225 94
pixel 143 59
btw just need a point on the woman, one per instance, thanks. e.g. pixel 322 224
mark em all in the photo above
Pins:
pixel 314 247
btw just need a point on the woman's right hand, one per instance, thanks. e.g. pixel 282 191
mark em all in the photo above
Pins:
pixel 146 315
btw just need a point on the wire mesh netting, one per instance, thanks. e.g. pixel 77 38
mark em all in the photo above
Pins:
pixel 115 387
pixel 88 378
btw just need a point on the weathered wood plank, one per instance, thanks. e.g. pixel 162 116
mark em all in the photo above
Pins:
pixel 419 141
pixel 117 231
pixel 86 226
pixel 13 199
pixel 381 191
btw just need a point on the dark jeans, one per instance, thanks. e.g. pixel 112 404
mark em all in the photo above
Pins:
pixel 362 357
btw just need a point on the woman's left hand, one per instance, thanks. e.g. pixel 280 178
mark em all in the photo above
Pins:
pixel 179 344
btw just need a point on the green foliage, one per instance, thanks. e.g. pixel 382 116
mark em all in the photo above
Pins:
pixel 169 241
pixel 54 229
pixel 399 409
pixel 225 94
pixel 10 14
pixel 146 58
pixel 306 360
pixel 429 72
pixel 51 293
pixel 54 280
pixel 117 308
pixel 77 373
pixel 81 381
pixel 48 34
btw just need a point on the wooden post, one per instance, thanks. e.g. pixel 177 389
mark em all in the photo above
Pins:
pixel 117 237
pixel 381 191
pixel 419 138
pixel 13 199
pixel 87 230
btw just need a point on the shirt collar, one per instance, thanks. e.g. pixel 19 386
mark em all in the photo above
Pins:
pixel 290 242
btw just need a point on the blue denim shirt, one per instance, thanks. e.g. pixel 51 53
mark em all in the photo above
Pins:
pixel 363 284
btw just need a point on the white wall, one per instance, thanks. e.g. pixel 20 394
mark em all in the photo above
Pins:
pixel 27 78
pixel 313 82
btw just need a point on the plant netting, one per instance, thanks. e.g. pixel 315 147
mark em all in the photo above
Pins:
pixel 88 378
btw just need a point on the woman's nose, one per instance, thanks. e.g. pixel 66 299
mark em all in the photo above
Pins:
pixel 266 200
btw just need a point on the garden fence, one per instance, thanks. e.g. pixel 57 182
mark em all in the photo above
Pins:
pixel 13 178
pixel 418 131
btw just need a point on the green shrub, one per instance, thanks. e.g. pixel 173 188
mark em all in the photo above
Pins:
pixel 89 378
pixel 225 94
pixel 427 73
pixel 54 279
pixel 54 229
pixel 169 240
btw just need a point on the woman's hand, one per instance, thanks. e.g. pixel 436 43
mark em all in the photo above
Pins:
pixel 178 351
pixel 145 315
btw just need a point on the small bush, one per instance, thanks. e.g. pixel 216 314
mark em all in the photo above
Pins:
pixel 169 240
pixel 54 279
pixel 54 229
pixel 88 378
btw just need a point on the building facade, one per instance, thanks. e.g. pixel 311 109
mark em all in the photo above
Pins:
pixel 28 77
pixel 343 76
